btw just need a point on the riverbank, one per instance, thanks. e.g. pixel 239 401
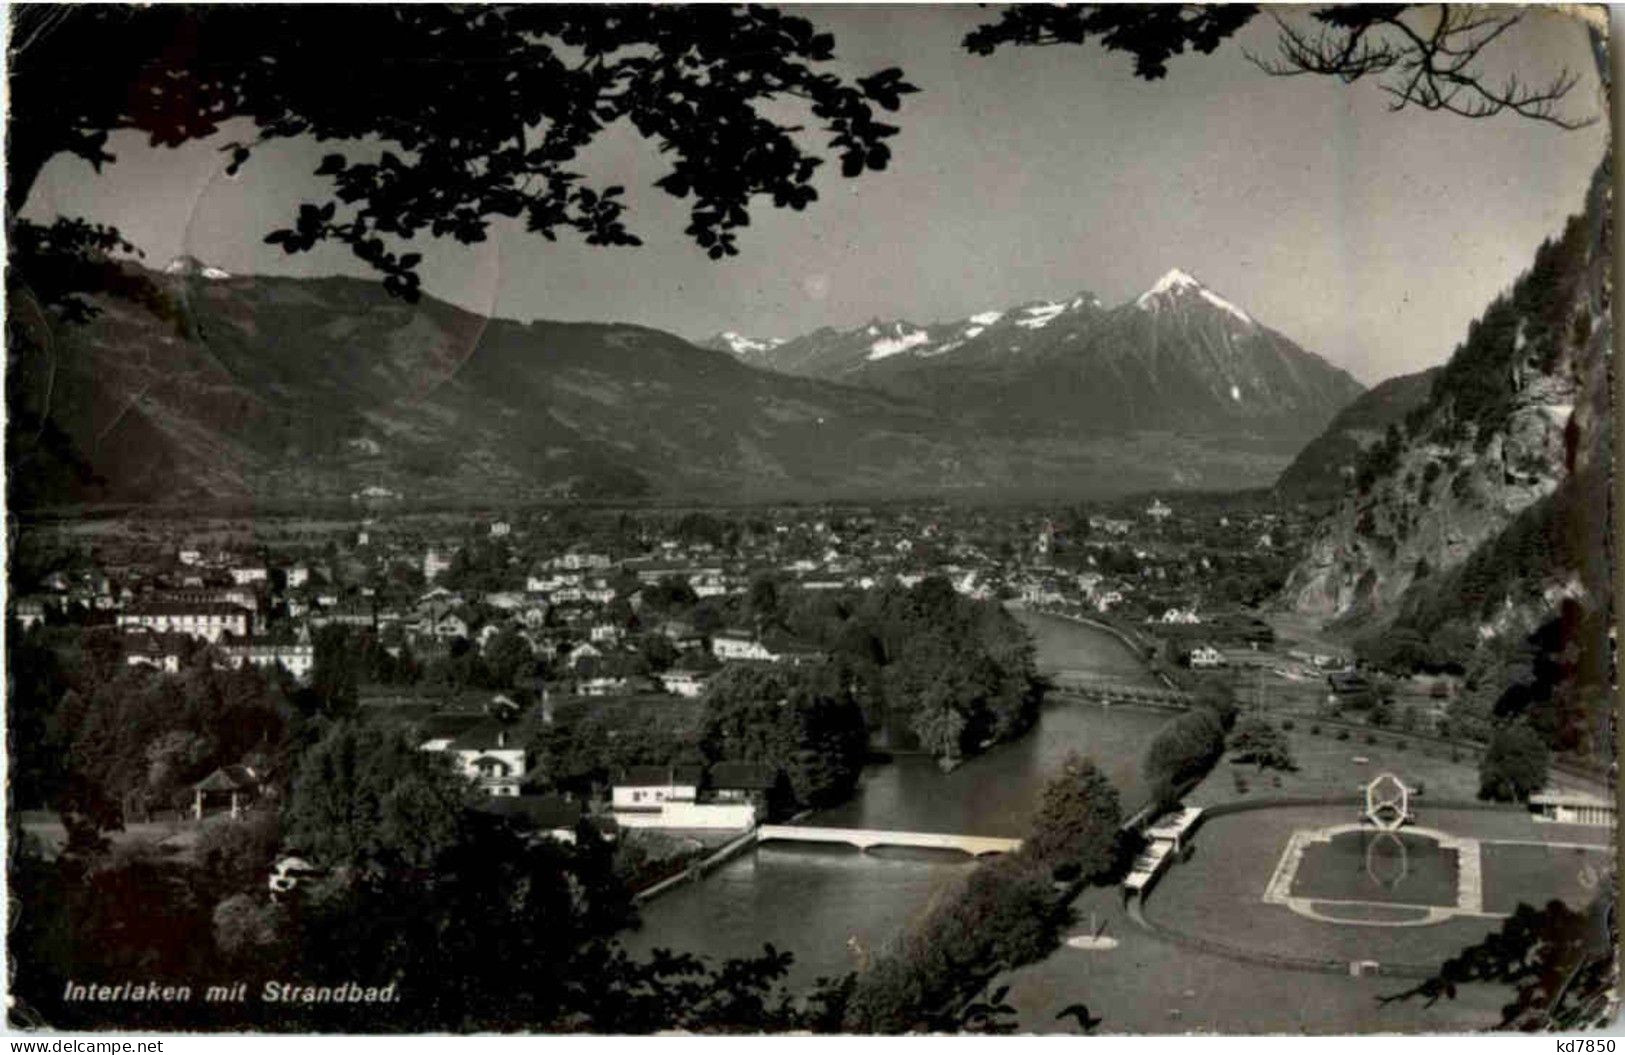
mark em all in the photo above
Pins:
pixel 1124 661
pixel 1122 635
pixel 832 906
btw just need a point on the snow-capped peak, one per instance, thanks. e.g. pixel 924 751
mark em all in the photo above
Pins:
pixel 1040 315
pixel 741 345
pixel 1178 282
pixel 191 265
pixel 1175 279
pixel 904 339
pixel 1224 305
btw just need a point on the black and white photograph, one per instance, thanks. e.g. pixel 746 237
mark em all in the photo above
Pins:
pixel 873 519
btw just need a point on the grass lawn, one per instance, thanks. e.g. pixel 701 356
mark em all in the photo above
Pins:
pixel 1219 893
pixel 166 836
pixel 1150 985
pixel 1147 985
pixel 1327 765
pixel 1516 873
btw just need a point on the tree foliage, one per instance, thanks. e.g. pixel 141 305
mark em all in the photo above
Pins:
pixel 1429 56
pixel 1514 766
pixel 1003 914
pixel 798 721
pixel 1183 750
pixel 950 672
pixel 1256 740
pixel 368 799
pixel 1075 830
pixel 142 737
pixel 590 741
pixel 1561 962
pixel 447 118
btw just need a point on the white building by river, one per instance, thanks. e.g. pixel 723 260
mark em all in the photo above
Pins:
pixel 1573 807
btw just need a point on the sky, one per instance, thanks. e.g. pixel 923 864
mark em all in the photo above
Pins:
pixel 1369 237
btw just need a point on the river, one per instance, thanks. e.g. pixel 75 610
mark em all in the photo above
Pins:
pixel 823 903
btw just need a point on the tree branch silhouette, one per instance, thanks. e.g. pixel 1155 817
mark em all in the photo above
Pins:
pixel 1559 961
pixel 449 118
pixel 1428 56
pixel 1431 67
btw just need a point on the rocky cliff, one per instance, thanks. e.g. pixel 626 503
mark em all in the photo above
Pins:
pixel 1325 469
pixel 1520 413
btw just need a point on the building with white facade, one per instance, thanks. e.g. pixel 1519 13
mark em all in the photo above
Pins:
pixel 297 659
pixel 688 684
pixel 208 620
pixel 737 644
pixel 249 574
pixel 491 754
pixel 1573 807
pixel 434 564
pixel 670 797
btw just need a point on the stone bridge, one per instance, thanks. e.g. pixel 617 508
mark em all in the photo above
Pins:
pixel 864 838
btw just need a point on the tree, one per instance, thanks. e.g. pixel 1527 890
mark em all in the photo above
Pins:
pixel 1003 914
pixel 1255 740
pixel 335 672
pixel 795 720
pixel 1423 55
pixel 1079 815
pixel 451 117
pixel 1183 750
pixel 1218 697
pixel 941 728
pixel 247 927
pixel 1560 961
pixel 762 602
pixel 1514 765
pixel 235 858
pixel 173 759
pixel 508 657
pixel 371 801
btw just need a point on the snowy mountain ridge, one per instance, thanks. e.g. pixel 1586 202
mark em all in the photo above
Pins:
pixel 845 350
pixel 1176 357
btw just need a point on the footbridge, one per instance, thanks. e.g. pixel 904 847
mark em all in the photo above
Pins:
pixel 865 838
pixel 1096 686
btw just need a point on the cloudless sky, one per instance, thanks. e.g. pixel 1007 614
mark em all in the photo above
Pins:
pixel 1367 236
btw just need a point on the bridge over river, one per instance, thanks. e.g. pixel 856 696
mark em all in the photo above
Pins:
pixel 865 838
pixel 1109 688
pixel 815 896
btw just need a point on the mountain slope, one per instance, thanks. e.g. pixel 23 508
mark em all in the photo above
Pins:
pixel 1325 469
pixel 289 390
pixel 1178 358
pixel 1515 430
pixel 844 355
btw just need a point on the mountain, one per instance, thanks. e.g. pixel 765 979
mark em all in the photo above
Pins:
pixel 1325 469
pixel 1178 358
pixel 742 347
pixel 230 389
pixel 1519 407
pixel 191 265
pixel 834 354
pixel 1476 532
